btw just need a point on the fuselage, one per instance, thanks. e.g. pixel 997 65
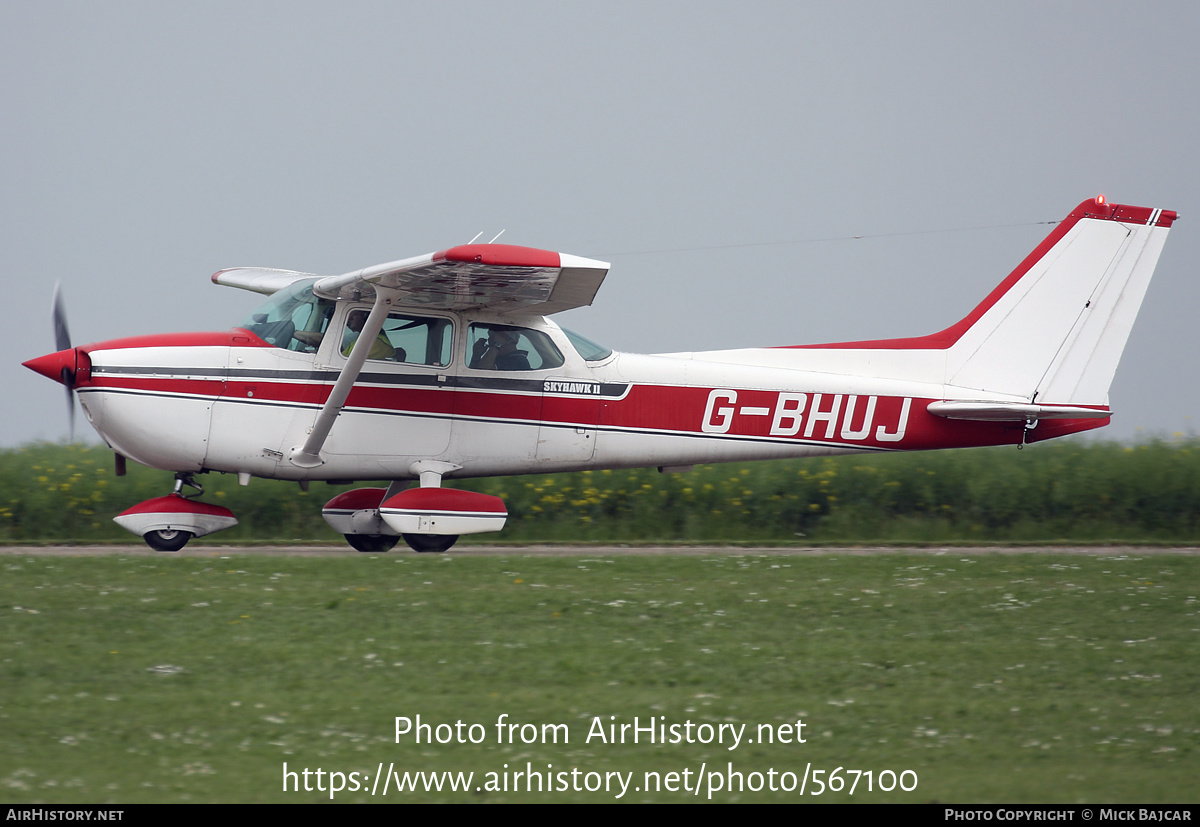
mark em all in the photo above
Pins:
pixel 234 402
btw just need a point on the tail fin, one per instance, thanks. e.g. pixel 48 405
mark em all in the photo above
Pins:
pixel 1053 331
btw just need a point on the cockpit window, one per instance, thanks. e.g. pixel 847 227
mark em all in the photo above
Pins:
pixel 504 347
pixel 589 350
pixel 414 340
pixel 292 318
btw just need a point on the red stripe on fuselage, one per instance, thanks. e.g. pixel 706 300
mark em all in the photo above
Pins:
pixel 868 422
pixel 309 394
pixel 204 388
pixel 818 418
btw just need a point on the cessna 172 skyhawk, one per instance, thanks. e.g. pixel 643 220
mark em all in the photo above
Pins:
pixel 446 366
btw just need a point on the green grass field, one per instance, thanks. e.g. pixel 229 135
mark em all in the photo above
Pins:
pixel 992 678
pixel 1072 491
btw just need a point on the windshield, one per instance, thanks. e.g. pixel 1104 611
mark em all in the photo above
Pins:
pixel 589 350
pixel 292 318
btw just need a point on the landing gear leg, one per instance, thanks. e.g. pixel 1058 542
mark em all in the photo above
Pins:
pixel 187 478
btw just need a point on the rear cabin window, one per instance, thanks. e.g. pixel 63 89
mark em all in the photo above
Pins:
pixel 508 348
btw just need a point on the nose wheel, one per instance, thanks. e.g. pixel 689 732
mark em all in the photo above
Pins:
pixel 167 539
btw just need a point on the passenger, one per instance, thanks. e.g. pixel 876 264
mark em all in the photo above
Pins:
pixel 382 349
pixel 500 352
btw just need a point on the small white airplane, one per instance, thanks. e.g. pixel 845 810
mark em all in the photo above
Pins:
pixel 445 366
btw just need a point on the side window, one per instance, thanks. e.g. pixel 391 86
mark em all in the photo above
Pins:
pixel 419 340
pixel 508 348
pixel 413 340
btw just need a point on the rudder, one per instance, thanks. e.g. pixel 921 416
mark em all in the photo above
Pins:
pixel 1054 330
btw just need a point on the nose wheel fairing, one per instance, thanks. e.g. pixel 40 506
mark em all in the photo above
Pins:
pixel 163 520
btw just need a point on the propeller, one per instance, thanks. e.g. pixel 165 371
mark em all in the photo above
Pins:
pixel 62 341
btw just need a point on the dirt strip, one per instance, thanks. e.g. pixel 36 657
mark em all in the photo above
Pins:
pixel 595 551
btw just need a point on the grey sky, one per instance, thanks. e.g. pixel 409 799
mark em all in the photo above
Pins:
pixel 147 145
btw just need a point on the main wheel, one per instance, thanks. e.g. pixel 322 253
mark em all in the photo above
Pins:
pixel 430 542
pixel 371 542
pixel 167 540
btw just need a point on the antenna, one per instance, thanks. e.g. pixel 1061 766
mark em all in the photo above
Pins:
pixel 493 241
pixel 477 235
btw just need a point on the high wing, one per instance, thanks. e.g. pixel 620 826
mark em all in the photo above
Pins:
pixel 498 277
pixel 259 279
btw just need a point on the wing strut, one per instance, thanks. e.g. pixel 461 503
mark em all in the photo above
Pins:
pixel 308 455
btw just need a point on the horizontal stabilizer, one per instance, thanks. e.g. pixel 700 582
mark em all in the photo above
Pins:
pixel 1013 411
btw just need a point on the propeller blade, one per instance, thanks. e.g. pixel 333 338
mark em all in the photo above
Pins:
pixel 62 337
pixel 68 380
pixel 62 341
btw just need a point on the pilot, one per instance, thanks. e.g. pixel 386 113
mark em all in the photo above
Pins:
pixel 500 352
pixel 382 349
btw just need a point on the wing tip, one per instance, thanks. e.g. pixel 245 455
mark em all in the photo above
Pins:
pixel 500 255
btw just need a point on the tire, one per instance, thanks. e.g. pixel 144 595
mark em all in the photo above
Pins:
pixel 424 543
pixel 167 540
pixel 370 543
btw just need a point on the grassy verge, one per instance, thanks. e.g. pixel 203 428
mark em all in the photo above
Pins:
pixel 1069 491
pixel 992 678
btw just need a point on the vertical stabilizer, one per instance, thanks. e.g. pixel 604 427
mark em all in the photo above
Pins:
pixel 1054 330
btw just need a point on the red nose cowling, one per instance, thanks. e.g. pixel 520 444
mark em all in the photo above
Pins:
pixel 58 366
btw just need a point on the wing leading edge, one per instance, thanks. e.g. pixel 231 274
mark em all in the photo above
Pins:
pixel 499 277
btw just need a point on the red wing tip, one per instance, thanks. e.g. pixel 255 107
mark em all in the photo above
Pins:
pixel 500 255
